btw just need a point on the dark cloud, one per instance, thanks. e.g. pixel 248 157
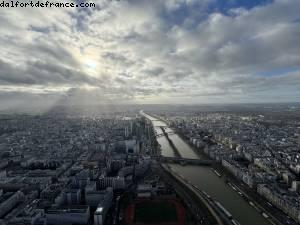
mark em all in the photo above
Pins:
pixel 39 72
pixel 154 71
pixel 52 51
pixel 11 74
pixel 45 30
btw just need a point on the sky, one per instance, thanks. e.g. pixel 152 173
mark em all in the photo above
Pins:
pixel 158 51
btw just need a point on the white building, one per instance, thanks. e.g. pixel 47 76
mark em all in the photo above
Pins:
pixel 102 209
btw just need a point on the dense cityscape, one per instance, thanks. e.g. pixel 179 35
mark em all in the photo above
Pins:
pixel 140 112
pixel 118 167
pixel 51 165
pixel 261 151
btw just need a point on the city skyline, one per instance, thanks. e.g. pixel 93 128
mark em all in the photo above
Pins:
pixel 137 52
pixel 154 112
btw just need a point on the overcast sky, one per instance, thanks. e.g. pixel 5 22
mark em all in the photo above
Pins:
pixel 152 51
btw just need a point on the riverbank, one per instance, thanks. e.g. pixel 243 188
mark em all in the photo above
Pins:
pixel 209 211
pixel 259 203
pixel 250 195
pixel 207 180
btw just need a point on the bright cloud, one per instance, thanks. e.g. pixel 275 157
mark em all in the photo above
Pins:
pixel 177 51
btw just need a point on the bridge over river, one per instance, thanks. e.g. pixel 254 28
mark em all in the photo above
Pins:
pixel 204 177
pixel 162 134
pixel 184 161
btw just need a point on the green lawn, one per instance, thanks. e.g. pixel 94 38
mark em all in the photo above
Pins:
pixel 155 212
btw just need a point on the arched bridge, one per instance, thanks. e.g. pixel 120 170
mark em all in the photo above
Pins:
pixel 184 161
pixel 161 125
pixel 162 134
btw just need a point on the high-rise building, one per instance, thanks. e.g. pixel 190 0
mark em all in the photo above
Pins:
pixel 102 209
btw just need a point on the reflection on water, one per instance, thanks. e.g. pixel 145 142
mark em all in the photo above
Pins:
pixel 167 150
pixel 216 187
pixel 184 149
pixel 208 181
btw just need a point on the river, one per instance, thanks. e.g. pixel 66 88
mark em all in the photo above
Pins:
pixel 207 180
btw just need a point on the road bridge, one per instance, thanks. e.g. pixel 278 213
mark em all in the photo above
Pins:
pixel 162 134
pixel 161 126
pixel 185 161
